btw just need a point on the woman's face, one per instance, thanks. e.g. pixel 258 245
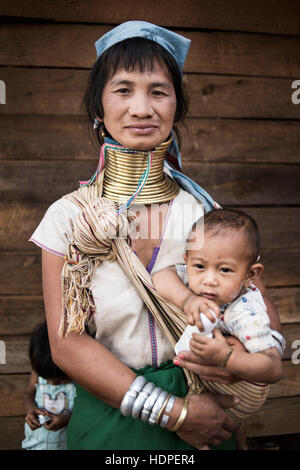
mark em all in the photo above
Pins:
pixel 139 107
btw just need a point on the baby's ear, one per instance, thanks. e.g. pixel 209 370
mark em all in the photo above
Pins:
pixel 185 257
pixel 254 272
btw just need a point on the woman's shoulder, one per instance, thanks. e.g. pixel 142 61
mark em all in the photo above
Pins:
pixel 186 210
pixel 184 196
pixel 54 232
pixel 63 205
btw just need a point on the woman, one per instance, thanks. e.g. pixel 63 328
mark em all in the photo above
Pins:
pixel 129 394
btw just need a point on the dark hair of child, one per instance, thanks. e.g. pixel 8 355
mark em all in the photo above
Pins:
pixel 40 354
pixel 224 220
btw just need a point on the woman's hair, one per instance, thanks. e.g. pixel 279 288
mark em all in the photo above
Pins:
pixel 40 354
pixel 131 54
pixel 226 220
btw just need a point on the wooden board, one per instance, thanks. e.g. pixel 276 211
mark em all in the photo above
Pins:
pixel 240 97
pixel 230 184
pixel 17 360
pixel 21 272
pixel 291 333
pixel 11 432
pixel 216 52
pixel 289 385
pixel 17 223
pixel 281 269
pixel 229 140
pixel 60 91
pixel 278 416
pixel 46 137
pixel 287 302
pixel 233 15
pixel 64 137
pixel 276 224
pixel 247 185
pixel 16 354
pixel 12 388
pixel 19 313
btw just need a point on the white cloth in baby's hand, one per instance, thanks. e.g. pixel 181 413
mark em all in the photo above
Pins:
pixel 183 343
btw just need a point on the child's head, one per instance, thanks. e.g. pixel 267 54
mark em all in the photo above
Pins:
pixel 40 355
pixel 219 266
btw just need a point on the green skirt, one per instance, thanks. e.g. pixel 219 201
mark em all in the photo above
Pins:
pixel 94 425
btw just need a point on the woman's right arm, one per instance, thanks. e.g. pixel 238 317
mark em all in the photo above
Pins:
pixel 81 357
pixel 99 372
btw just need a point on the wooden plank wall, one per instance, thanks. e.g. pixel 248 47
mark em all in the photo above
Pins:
pixel 241 142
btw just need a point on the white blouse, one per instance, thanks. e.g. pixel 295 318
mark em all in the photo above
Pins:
pixel 123 323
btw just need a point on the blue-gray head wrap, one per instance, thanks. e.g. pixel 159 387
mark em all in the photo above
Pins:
pixel 174 43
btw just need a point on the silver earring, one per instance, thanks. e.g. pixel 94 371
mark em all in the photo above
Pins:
pixel 96 124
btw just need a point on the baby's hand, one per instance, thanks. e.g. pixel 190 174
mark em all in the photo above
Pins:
pixel 197 305
pixel 212 351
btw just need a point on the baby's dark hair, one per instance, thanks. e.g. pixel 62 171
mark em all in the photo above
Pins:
pixel 221 220
pixel 40 354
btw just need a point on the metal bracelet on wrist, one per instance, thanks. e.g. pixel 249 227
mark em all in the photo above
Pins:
pixel 138 384
pixel 140 400
pixel 280 341
pixel 131 395
pixel 145 401
pixel 168 409
pixel 157 406
pixel 128 402
pixel 164 421
pixel 149 403
pixel 170 404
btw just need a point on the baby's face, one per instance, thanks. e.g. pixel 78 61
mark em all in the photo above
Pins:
pixel 218 269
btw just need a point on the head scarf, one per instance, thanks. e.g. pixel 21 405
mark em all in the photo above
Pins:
pixel 174 43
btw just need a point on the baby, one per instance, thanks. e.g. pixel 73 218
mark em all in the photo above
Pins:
pixel 217 281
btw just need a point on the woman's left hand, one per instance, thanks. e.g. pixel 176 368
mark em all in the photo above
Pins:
pixel 191 361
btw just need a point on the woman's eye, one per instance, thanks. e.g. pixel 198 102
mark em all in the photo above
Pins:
pixel 123 91
pixel 158 93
